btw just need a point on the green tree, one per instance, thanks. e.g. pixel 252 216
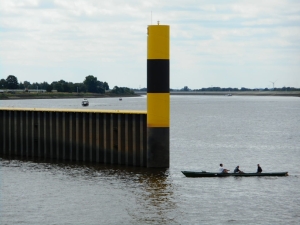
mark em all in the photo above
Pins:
pixel 27 84
pixel 3 84
pixel 91 83
pixel 79 87
pixel 44 86
pixel 60 86
pixel 185 88
pixel 35 86
pixel 21 85
pixel 66 87
pixel 105 86
pixel 100 87
pixel 49 88
pixel 94 85
pixel 12 82
pixel 122 90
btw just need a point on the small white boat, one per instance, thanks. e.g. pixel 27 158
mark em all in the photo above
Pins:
pixel 85 102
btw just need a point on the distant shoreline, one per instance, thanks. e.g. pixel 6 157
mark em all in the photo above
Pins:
pixel 60 95
pixel 233 93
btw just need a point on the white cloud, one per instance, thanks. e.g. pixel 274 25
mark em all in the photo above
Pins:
pixel 220 43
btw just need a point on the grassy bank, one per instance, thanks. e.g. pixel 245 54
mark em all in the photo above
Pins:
pixel 58 95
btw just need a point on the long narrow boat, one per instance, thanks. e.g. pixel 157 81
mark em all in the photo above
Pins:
pixel 214 174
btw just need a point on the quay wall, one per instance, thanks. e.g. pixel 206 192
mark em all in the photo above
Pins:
pixel 101 136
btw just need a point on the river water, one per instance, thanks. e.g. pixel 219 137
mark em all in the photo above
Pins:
pixel 205 131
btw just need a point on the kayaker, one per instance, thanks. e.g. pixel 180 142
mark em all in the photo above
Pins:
pixel 222 170
pixel 237 170
pixel 259 169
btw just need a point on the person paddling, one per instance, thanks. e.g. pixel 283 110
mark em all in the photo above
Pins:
pixel 222 170
pixel 237 170
pixel 259 169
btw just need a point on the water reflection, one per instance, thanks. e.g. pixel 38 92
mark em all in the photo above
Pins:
pixel 155 198
pixel 152 189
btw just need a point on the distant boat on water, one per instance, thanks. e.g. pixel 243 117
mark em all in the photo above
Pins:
pixel 85 102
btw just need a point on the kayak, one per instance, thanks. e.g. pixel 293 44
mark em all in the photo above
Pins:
pixel 214 174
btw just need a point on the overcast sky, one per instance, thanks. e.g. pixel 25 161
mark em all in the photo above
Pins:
pixel 232 43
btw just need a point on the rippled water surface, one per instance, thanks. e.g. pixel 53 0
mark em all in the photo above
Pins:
pixel 205 131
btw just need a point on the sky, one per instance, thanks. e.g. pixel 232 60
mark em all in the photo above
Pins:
pixel 232 43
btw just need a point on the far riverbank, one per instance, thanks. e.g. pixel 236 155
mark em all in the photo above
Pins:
pixel 62 95
pixel 233 93
pixel 59 95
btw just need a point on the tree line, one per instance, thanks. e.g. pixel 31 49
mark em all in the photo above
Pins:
pixel 185 88
pixel 248 89
pixel 90 84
